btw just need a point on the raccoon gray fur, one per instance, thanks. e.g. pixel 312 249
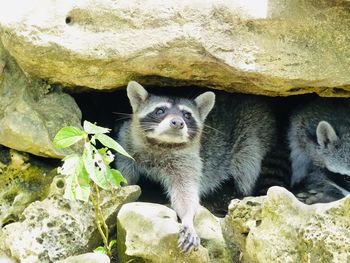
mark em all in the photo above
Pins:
pixel 322 186
pixel 175 142
pixel 319 140
pixel 275 169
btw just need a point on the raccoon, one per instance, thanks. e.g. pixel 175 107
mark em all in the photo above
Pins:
pixel 322 186
pixel 175 141
pixel 319 140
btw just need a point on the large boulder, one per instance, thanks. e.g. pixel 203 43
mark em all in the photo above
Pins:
pixel 32 111
pixel 149 233
pixel 266 47
pixel 279 228
pixel 56 228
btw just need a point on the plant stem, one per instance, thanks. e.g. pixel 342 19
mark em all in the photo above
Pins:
pixel 98 217
pixel 102 220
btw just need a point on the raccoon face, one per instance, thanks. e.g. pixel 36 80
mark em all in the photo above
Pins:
pixel 333 149
pixel 168 120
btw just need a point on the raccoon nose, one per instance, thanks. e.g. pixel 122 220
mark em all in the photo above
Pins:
pixel 177 123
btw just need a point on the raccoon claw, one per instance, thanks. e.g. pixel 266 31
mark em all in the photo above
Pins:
pixel 188 240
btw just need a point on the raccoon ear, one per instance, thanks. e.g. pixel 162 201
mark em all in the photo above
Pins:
pixel 136 94
pixel 205 102
pixel 325 134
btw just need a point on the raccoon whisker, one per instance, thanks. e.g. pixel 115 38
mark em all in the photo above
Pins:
pixel 148 122
pixel 214 129
pixel 148 127
pixel 123 118
pixel 196 131
pixel 206 134
pixel 155 118
pixel 122 113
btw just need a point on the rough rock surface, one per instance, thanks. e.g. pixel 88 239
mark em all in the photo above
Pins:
pixel 149 233
pixel 279 228
pixel 267 47
pixel 4 259
pixel 86 258
pixel 23 180
pixel 32 111
pixel 56 228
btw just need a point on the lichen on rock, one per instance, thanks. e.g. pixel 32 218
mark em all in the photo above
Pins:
pixel 22 180
pixel 279 228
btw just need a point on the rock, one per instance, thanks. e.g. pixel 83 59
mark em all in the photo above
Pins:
pixel 3 252
pixel 56 228
pixel 86 258
pixel 32 111
pixel 209 230
pixel 268 47
pixel 4 259
pixel 149 232
pixel 23 180
pixel 279 228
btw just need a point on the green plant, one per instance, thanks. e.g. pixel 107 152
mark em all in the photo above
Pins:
pixel 88 171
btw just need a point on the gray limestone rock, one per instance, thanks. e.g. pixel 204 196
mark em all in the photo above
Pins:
pixel 87 258
pixel 279 228
pixel 149 233
pixel 32 111
pixel 270 47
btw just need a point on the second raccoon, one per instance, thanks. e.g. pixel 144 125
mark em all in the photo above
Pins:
pixel 319 139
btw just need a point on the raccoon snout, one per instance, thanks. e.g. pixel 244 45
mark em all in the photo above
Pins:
pixel 177 123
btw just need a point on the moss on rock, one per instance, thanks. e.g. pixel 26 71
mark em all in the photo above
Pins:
pixel 23 180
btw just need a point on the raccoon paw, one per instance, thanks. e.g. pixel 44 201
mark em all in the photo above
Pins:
pixel 188 239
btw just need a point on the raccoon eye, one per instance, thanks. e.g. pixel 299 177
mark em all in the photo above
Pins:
pixel 187 115
pixel 160 111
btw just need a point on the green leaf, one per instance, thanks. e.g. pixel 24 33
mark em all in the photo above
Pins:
pixel 112 243
pixel 95 166
pixel 68 136
pixel 69 192
pixel 77 180
pixel 115 177
pixel 73 190
pixel 110 143
pixel 107 155
pixel 83 176
pixel 101 250
pixel 93 140
pixel 82 192
pixel 94 129
pixel 69 165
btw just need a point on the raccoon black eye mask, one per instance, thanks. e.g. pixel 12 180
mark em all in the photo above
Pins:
pixel 165 137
